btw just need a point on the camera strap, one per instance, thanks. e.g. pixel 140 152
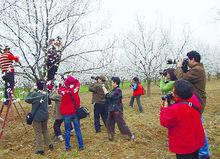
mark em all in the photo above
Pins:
pixel 190 104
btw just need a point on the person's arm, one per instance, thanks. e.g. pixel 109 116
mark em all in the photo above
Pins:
pixel 33 97
pixel 166 87
pixel 114 95
pixel 134 86
pixel 55 96
pixel 168 117
pixel 93 87
pixel 12 57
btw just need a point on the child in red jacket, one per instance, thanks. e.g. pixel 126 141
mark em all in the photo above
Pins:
pixel 185 130
pixel 69 102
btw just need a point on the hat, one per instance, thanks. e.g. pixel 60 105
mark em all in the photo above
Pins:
pixel 6 48
pixel 70 80
pixel 40 84
pixel 102 77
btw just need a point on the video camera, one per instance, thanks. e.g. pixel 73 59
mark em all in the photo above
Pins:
pixel 168 97
pixel 184 64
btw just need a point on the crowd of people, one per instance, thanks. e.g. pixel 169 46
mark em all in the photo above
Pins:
pixel 181 114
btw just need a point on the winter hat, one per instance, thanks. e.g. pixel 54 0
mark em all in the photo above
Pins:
pixel 40 84
pixel 70 80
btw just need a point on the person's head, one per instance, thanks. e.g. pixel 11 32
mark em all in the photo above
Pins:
pixel 40 84
pixel 170 74
pixel 135 79
pixel 115 81
pixel 70 80
pixel 6 49
pixel 194 58
pixel 183 89
pixel 101 78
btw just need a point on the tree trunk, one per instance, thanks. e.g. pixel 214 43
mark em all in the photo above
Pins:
pixel 209 76
pixel 148 87
pixel 218 75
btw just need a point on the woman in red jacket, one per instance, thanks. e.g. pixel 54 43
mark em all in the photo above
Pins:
pixel 185 130
pixel 70 101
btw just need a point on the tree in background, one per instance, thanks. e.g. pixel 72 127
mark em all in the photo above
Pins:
pixel 29 25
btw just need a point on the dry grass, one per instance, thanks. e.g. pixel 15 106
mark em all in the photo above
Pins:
pixel 150 136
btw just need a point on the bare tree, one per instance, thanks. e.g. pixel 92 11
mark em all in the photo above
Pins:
pixel 29 25
pixel 146 52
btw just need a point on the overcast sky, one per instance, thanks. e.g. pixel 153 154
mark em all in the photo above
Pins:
pixel 198 15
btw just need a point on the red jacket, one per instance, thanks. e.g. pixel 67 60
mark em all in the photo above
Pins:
pixel 138 91
pixel 185 130
pixel 72 86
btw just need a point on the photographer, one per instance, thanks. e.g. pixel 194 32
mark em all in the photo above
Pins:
pixel 167 80
pixel 6 61
pixel 185 130
pixel 196 76
pixel 98 99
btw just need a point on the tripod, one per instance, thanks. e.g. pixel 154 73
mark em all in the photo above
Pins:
pixel 9 106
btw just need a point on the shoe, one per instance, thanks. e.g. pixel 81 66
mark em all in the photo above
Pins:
pixel 132 137
pixel 81 148
pixel 204 157
pixel 69 149
pixel 110 137
pixel 51 147
pixel 98 131
pixel 40 152
pixel 60 138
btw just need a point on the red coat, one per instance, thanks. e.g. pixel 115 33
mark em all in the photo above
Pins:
pixel 71 87
pixel 185 130
pixel 138 91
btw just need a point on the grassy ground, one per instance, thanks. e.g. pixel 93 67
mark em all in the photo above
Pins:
pixel 150 136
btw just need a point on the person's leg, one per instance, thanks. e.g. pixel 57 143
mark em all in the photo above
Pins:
pixel 9 86
pixel 104 113
pixel 56 127
pixel 118 117
pixel 78 132
pixel 38 136
pixel 97 117
pixel 110 125
pixel 45 133
pixel 132 101
pixel 204 151
pixel 138 98
pixel 67 122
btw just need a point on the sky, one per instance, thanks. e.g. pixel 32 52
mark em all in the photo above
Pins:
pixel 196 15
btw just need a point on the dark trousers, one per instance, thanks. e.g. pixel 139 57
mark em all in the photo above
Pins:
pixel 52 70
pixel 100 109
pixel 56 127
pixel 193 155
pixel 9 85
pixel 138 99
pixel 117 117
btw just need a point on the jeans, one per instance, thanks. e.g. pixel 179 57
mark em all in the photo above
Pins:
pixel 204 151
pixel 56 127
pixel 100 110
pixel 138 102
pixel 67 121
pixel 193 155
pixel 9 86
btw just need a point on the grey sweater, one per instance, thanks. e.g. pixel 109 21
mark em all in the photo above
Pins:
pixel 35 98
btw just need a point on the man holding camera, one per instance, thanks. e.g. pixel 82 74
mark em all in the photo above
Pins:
pixel 98 99
pixel 196 76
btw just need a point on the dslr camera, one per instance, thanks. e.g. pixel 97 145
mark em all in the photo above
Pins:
pixel 94 78
pixel 184 64
pixel 168 97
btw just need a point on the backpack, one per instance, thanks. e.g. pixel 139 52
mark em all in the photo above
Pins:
pixel 143 90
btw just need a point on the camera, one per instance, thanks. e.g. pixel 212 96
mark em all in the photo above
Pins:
pixel 171 61
pixel 168 97
pixel 94 78
pixel 164 72
pixel 184 64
